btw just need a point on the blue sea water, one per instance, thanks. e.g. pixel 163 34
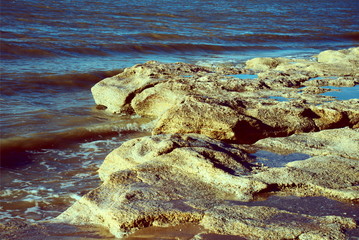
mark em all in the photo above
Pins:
pixel 52 52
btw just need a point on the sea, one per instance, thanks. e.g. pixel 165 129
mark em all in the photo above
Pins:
pixel 53 138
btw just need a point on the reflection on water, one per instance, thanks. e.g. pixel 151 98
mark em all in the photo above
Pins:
pixel 244 76
pixel 271 159
pixel 315 206
pixel 279 98
pixel 343 93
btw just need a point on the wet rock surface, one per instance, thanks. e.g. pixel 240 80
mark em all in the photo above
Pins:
pixel 200 155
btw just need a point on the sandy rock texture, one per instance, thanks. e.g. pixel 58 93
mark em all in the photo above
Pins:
pixel 164 180
pixel 327 63
pixel 201 158
pixel 218 103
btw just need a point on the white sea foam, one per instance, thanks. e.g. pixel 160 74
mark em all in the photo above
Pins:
pixel 47 166
pixel 18 181
pixel 32 198
pixel 6 215
pixel 6 193
pixel 139 127
pixel 35 209
pixel 82 175
pixel 75 196
pixel 67 184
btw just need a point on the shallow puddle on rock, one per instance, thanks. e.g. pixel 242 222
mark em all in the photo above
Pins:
pixel 314 206
pixel 344 93
pixel 272 159
pixel 212 236
pixel 279 99
pixel 244 76
pixel 321 78
pixel 182 231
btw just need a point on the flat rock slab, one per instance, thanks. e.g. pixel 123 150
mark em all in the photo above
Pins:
pixel 165 180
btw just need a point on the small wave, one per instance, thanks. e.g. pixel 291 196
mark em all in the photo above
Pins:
pixel 163 36
pixel 143 43
pixel 40 82
pixel 351 35
pixel 16 151
pixel 157 14
pixel 14 51
pixel 181 48
pixel 88 51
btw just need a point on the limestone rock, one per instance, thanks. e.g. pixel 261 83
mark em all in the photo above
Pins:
pixel 185 98
pixel 265 63
pixel 165 180
pixel 347 56
pixel 251 120
pixel 336 82
pixel 329 176
pixel 193 164
pixel 116 93
pixel 148 181
pixel 329 63
pixel 336 114
pixel 342 142
pixel 333 172
pixel 284 118
pixel 212 120
pixel 209 160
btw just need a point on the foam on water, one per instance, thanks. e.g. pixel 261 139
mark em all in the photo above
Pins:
pixel 66 174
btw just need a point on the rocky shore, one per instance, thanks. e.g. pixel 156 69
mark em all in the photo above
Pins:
pixel 199 166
